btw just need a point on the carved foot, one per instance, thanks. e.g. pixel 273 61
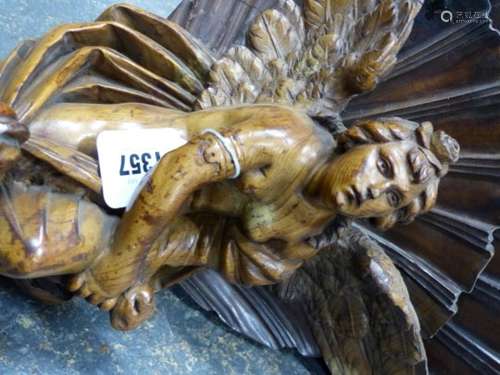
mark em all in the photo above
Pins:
pixel 133 307
pixel 128 310
pixel 86 286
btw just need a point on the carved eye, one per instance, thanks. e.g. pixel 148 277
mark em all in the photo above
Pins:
pixel 384 167
pixel 393 198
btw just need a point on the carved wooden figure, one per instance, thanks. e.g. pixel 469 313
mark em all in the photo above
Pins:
pixel 267 165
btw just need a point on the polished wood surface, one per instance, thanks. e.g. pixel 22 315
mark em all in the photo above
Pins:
pixel 276 101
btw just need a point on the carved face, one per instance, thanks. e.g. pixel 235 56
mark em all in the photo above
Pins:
pixel 374 180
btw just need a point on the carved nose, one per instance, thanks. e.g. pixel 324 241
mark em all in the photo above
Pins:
pixel 378 188
pixel 373 193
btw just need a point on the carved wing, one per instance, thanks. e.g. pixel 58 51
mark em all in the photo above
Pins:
pixel 350 301
pixel 315 58
pixel 358 307
pixel 127 55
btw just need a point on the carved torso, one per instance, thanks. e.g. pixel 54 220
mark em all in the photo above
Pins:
pixel 269 200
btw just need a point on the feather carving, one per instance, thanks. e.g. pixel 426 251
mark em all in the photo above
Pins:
pixel 250 63
pixel 228 74
pixel 329 48
pixel 319 61
pixel 273 37
pixel 294 14
pixel 358 307
pixel 323 14
pixel 318 12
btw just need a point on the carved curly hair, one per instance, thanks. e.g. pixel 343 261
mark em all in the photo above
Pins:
pixel 439 149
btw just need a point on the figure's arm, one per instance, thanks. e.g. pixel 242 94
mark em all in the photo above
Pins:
pixel 178 175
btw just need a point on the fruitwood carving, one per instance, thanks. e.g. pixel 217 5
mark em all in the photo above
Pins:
pixel 276 101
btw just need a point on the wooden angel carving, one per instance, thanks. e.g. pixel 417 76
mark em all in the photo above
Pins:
pixel 266 168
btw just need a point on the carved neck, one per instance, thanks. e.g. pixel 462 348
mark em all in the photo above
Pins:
pixel 317 189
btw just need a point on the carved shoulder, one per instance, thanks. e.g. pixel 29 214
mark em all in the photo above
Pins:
pixel 290 132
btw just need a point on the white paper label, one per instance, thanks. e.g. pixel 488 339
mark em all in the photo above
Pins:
pixel 125 156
